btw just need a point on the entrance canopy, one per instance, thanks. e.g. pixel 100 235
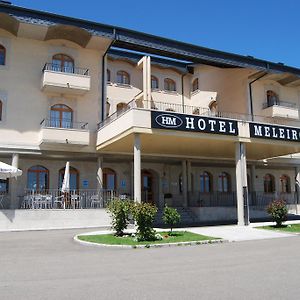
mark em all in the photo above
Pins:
pixel 8 171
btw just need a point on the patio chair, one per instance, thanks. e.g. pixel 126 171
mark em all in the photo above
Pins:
pixel 76 201
pixel 48 201
pixel 59 200
pixel 96 200
pixel 37 201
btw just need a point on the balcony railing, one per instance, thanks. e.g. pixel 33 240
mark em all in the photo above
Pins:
pixel 188 109
pixel 279 103
pixel 64 124
pixel 65 69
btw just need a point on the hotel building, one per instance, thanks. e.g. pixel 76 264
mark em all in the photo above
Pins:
pixel 139 116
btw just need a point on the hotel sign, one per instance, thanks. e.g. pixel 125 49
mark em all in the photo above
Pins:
pixel 274 132
pixel 193 123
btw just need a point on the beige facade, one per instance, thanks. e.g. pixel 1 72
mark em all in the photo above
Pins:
pixel 94 107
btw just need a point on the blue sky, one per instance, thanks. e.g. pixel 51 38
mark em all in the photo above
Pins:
pixel 266 29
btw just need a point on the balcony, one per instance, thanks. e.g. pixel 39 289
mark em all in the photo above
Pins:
pixel 64 132
pixel 281 109
pixel 65 80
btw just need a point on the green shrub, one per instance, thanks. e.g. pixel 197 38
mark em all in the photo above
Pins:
pixel 277 209
pixel 171 216
pixel 120 211
pixel 144 214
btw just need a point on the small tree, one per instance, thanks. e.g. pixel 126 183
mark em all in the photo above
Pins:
pixel 119 211
pixel 171 216
pixel 277 209
pixel 144 215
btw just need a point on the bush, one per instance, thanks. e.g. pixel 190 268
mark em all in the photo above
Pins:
pixel 144 214
pixel 277 209
pixel 120 211
pixel 171 216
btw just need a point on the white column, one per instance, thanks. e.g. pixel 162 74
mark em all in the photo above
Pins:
pixel 100 173
pixel 184 183
pixel 241 184
pixel 13 186
pixel 137 168
pixel 149 80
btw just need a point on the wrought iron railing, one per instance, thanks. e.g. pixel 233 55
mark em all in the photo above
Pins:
pixel 64 124
pixel 280 103
pixel 192 110
pixel 65 69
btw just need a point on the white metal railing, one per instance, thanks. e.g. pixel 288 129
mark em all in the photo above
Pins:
pixel 191 110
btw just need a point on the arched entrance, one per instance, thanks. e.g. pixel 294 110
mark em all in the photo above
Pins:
pixel 148 185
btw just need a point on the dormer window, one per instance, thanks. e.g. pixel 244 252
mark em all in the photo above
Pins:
pixel 169 85
pixel 123 77
pixel 195 85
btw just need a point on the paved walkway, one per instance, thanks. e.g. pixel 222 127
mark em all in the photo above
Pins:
pixel 230 232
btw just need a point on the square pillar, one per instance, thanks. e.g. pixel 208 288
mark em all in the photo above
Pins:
pixel 137 167
pixel 241 184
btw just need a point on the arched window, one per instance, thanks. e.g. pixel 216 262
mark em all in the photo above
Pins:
pixel 195 85
pixel 62 63
pixel 224 184
pixel 272 98
pixel 123 77
pixel 205 182
pixel 213 107
pixel 61 116
pixel 169 85
pixel 3 186
pixel 285 184
pixel 38 178
pixel 269 183
pixel 154 82
pixel 2 55
pixel 108 75
pixel 121 107
pixel 109 179
pixel 74 178
pixel 1 108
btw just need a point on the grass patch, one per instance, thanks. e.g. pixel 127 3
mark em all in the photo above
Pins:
pixel 176 237
pixel 285 228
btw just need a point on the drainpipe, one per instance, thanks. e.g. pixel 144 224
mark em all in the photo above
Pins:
pixel 104 75
pixel 250 93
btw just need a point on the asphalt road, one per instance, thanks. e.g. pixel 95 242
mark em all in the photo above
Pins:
pixel 49 265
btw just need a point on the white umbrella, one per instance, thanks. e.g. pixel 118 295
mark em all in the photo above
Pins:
pixel 65 188
pixel 8 171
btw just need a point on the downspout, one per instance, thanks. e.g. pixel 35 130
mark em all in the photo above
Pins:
pixel 104 75
pixel 250 93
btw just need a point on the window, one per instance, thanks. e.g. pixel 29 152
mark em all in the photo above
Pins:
pixel 108 75
pixel 224 184
pixel 38 178
pixel 2 55
pixel 74 178
pixel 285 184
pixel 154 82
pixel 1 109
pixel 123 77
pixel 121 107
pixel 269 183
pixel 3 186
pixel 63 63
pixel 205 182
pixel 272 98
pixel 195 85
pixel 61 116
pixel 213 107
pixel 109 179
pixel 169 85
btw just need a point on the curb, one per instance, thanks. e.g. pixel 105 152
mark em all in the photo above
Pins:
pixel 192 243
